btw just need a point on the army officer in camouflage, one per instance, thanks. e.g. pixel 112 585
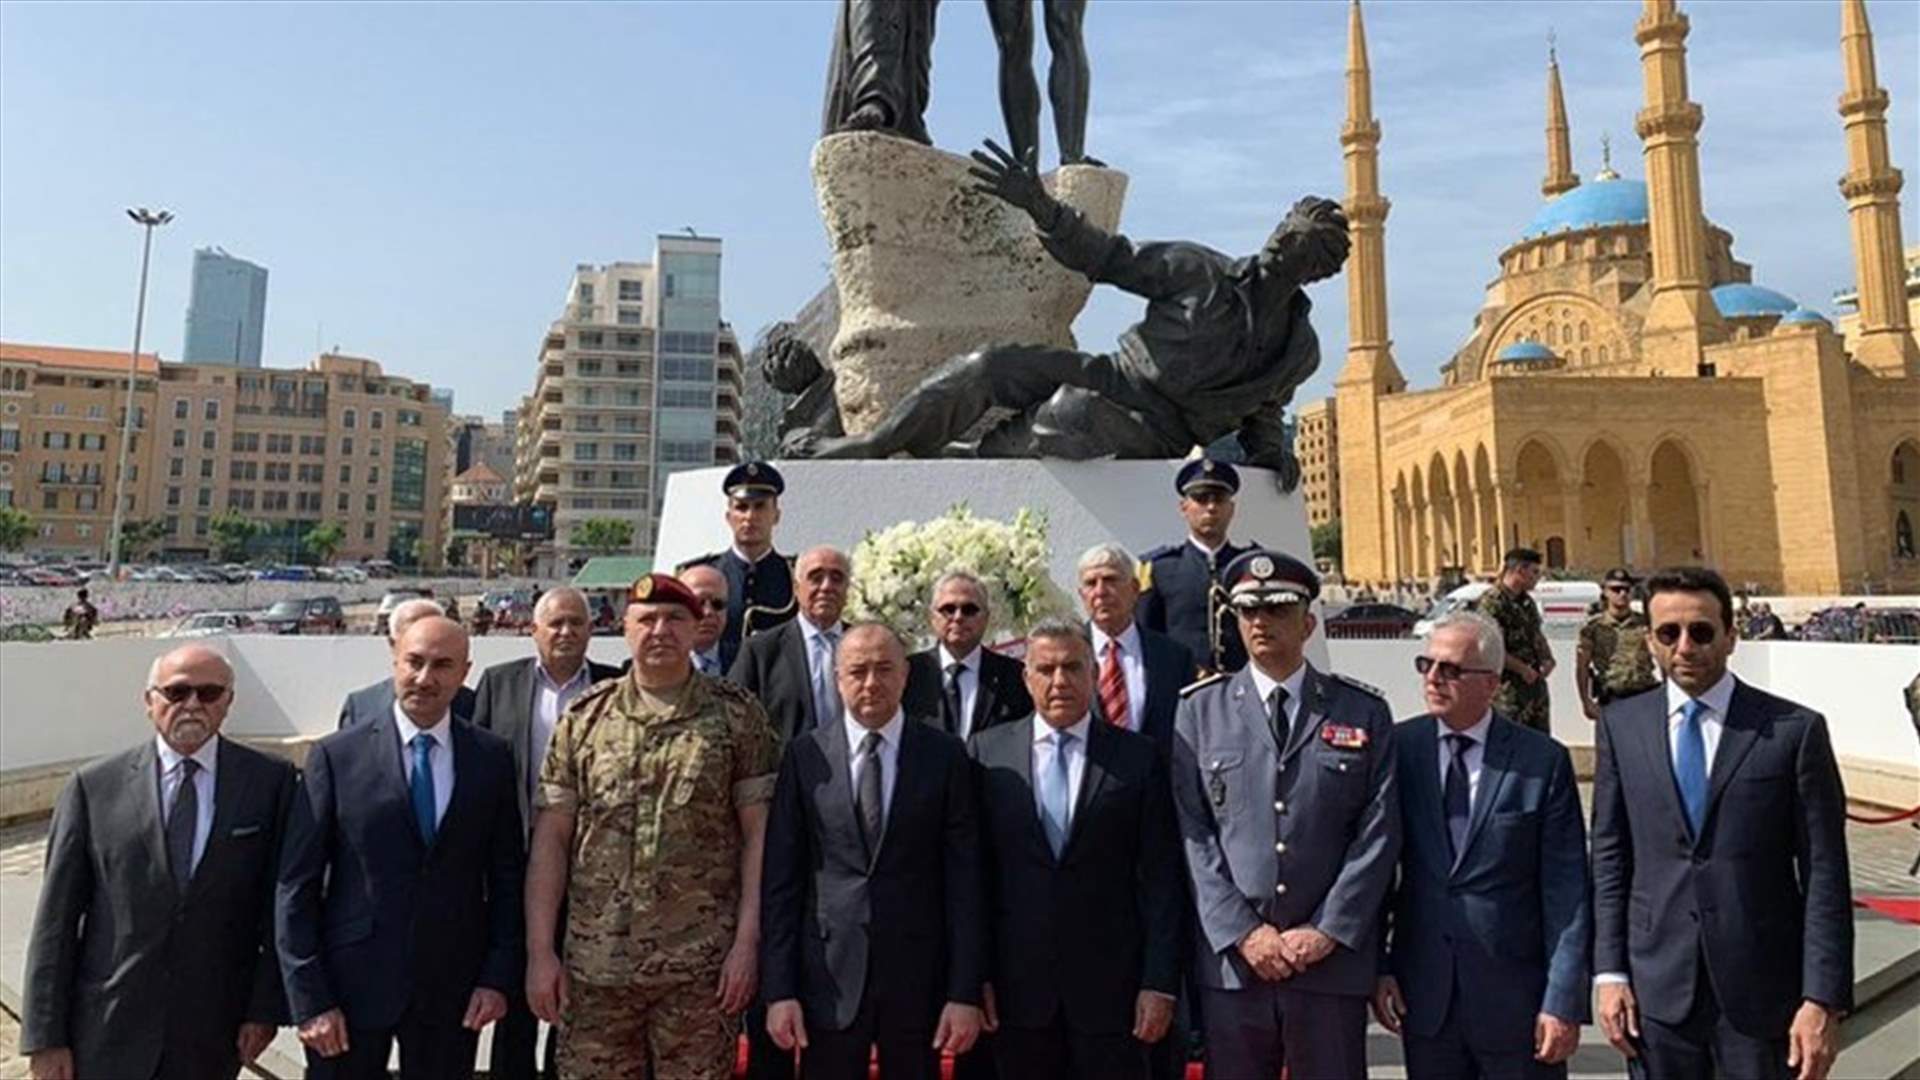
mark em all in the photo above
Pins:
pixel 1612 660
pixel 652 813
pixel 1523 684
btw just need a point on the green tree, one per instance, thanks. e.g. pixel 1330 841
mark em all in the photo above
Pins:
pixel 1326 540
pixel 604 536
pixel 16 526
pixel 138 537
pixel 323 541
pixel 231 532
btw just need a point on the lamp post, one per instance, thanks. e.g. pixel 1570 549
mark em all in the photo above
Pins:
pixel 147 220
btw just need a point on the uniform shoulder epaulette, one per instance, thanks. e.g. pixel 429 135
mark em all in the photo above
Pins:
pixel 709 559
pixel 1160 552
pixel 1200 684
pixel 1365 688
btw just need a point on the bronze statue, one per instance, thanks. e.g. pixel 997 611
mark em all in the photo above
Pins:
pixel 792 367
pixel 1068 77
pixel 881 71
pixel 1222 347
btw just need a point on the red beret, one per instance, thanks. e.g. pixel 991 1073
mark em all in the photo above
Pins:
pixel 665 589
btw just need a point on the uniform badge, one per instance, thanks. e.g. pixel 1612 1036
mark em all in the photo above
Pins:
pixel 643 588
pixel 753 468
pixel 1343 737
pixel 1217 787
pixel 1261 567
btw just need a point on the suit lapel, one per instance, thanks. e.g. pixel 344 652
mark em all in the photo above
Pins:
pixel 230 788
pixel 384 740
pixel 1092 777
pixel 1423 787
pixel 905 784
pixel 838 811
pixel 1495 758
pixel 1649 730
pixel 1018 756
pixel 1738 732
pixel 795 649
pixel 144 776
pixel 461 801
pixel 983 700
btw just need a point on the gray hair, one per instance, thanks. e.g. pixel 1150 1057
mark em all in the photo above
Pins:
pixel 1060 628
pixel 1108 555
pixel 408 612
pixel 819 550
pixel 153 669
pixel 972 580
pixel 1489 643
pixel 555 595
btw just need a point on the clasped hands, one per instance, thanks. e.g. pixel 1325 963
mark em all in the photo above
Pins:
pixel 1276 954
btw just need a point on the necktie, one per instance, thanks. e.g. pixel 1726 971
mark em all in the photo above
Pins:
pixel 1457 798
pixel 420 787
pixel 181 822
pixel 950 702
pixel 868 799
pixel 1055 783
pixel 1690 765
pixel 826 696
pixel 1277 717
pixel 1113 688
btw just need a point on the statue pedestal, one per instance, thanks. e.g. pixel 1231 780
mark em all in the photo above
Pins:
pixel 928 269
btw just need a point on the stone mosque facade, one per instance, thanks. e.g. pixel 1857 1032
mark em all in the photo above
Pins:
pixel 1628 394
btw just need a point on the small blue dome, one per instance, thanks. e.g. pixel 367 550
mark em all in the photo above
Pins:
pixel 1600 202
pixel 1740 301
pixel 1522 351
pixel 1804 315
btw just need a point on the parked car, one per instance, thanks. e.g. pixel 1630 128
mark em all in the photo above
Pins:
pixel 393 599
pixel 1371 621
pixel 311 615
pixel 236 573
pixel 285 573
pixel 210 623
pixel 50 577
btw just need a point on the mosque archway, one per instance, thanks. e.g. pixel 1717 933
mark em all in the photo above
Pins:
pixel 1605 515
pixel 1466 513
pixel 1673 507
pixel 1446 526
pixel 1402 529
pixel 1422 527
pixel 1540 500
pixel 1903 498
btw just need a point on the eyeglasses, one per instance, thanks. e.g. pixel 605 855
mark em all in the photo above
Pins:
pixel 1619 588
pixel 965 611
pixel 1446 669
pixel 1700 633
pixel 715 603
pixel 175 693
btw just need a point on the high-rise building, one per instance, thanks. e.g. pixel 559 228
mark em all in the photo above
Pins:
pixel 227 312
pixel 1316 446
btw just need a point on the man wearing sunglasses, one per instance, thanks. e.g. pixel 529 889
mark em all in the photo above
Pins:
pixel 151 953
pixel 1723 924
pixel 710 585
pixel 1283 782
pixel 1184 597
pixel 1486 971
pixel 960 683
pixel 1612 660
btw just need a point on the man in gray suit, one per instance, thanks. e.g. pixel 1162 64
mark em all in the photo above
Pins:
pixel 375 700
pixel 1283 779
pixel 152 949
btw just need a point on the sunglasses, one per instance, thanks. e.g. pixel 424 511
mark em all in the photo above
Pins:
pixel 1700 633
pixel 714 603
pixel 967 611
pixel 1619 588
pixel 208 693
pixel 1447 669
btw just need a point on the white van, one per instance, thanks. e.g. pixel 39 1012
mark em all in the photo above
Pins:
pixel 1563 605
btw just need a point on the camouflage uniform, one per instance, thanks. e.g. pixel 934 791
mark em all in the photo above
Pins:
pixel 654 871
pixel 1617 656
pixel 1519 620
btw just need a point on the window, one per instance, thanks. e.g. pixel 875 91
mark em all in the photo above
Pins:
pixel 209 439
pixel 687 368
pixel 180 407
pixel 633 290
pixel 585 292
pixel 374 447
pixel 629 397
pixel 340 503
pixel 247 442
pixel 173 497
pixel 592 339
pixel 373 474
pixel 311 474
pixel 626 452
pixel 346 474
pixel 630 369
pixel 346 446
pixel 239 499
pixel 54 440
pixel 584 477
pixel 86 500
pixel 407 418
pixel 348 419
pixel 179 438
pixel 366 531
pixel 373 503
pixel 200 526
pixel 628 316
pixel 93 441
pixel 307 502
pixel 6 490
pixel 586 451
pixel 686 452
pixel 685 397
pixel 206 468
pixel 313 445
pixel 580 502
pixel 627 423
pixel 211 410
pixel 96 412
pixel 49 500
pixel 204 499
pixel 376 419
pixel 587 367
pixel 9 440
pixel 176 467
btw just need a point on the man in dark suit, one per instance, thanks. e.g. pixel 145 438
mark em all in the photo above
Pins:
pixel 710 585
pixel 521 701
pixel 872 921
pixel 1078 830
pixel 1184 582
pixel 375 700
pixel 152 947
pixel 1491 921
pixel 1138 672
pixel 1723 923
pixel 398 913
pixel 760 585
pixel 790 668
pixel 959 684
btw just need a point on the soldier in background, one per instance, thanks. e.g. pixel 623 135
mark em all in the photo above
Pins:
pixel 1612 659
pixel 652 815
pixel 759 579
pixel 1523 685
pixel 1182 597
pixel 81 617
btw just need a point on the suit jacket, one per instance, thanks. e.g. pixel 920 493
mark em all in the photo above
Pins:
pixel 373 701
pixel 765 586
pixel 1511 917
pixel 1084 933
pixel 121 967
pixel 1307 833
pixel 773 666
pixel 1002 696
pixel 1769 866
pixel 370 919
pixel 905 922
pixel 503 704
pixel 1169 669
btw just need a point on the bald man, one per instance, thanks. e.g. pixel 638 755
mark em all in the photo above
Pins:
pixel 376 699
pixel 152 949
pixel 398 914
pixel 710 585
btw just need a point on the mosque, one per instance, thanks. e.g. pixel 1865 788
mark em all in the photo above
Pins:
pixel 1628 394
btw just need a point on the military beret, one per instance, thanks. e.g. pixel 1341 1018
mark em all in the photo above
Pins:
pixel 1261 578
pixel 1203 473
pixel 753 480
pixel 665 589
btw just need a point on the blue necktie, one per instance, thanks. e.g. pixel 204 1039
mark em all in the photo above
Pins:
pixel 1054 785
pixel 421 786
pixel 1690 765
pixel 1456 796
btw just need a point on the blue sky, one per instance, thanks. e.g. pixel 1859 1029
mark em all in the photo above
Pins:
pixel 421 179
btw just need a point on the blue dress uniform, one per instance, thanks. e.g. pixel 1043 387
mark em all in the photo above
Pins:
pixel 759 593
pixel 1303 831
pixel 1179 597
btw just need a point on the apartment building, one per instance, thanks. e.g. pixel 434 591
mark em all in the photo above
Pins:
pixel 1316 445
pixel 60 418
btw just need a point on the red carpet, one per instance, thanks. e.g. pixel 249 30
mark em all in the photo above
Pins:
pixel 1904 908
pixel 1195 1070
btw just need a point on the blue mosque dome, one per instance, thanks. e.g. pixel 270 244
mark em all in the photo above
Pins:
pixel 1607 200
pixel 1521 352
pixel 1804 315
pixel 1741 301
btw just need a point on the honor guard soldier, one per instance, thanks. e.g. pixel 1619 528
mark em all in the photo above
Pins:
pixel 1283 782
pixel 1182 595
pixel 1612 660
pixel 759 579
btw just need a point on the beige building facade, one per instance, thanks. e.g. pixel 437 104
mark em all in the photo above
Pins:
pixel 1316 446
pixel 60 420
pixel 1628 394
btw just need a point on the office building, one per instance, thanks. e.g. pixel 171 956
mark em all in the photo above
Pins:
pixel 227 312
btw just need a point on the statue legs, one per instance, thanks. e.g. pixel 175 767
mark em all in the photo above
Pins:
pixel 1012 22
pixel 1069 78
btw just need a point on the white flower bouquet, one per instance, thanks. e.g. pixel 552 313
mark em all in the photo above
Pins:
pixel 894 571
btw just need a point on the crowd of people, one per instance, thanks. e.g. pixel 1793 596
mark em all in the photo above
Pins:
pixel 1161 829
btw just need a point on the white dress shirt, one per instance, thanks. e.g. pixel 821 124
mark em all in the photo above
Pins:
pixel 1471 757
pixel 708 662
pixel 550 700
pixel 207 757
pixel 1132 665
pixel 1044 748
pixel 440 761
pixel 889 755
pixel 969 684
pixel 1263 685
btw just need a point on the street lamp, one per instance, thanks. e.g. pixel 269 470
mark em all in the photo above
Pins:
pixel 147 220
